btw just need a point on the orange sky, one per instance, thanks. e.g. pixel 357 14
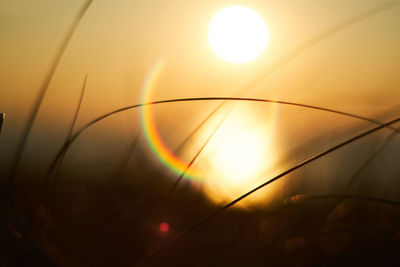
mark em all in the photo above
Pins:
pixel 356 69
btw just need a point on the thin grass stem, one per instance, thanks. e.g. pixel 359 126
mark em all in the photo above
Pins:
pixel 189 165
pixel 125 159
pixel 377 151
pixel 59 163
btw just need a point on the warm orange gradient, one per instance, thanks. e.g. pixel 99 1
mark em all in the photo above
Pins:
pixel 117 42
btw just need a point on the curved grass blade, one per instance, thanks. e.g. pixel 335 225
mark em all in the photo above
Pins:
pixel 240 99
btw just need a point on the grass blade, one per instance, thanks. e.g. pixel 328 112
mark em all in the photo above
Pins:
pixel 369 160
pixel 59 163
pixel 2 117
pixel 172 189
pixel 125 159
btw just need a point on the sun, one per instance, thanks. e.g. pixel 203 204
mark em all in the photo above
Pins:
pixel 238 34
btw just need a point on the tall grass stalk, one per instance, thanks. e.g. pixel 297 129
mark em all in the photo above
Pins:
pixel 197 154
pixel 182 144
pixel 134 140
pixel 44 87
pixel 2 117
pixel 59 164
pixel 377 151
pixel 37 103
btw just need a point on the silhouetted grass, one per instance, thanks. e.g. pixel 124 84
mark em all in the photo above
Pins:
pixel 173 187
pixel 166 201
pixel 54 169
pixel 297 199
pixel 290 170
pixel 73 137
pixel 377 151
pixel 43 88
pixel 241 99
pixel 68 143
pixel 39 99
pixel 126 157
pixel 349 184
pixel 2 117
pixel 58 166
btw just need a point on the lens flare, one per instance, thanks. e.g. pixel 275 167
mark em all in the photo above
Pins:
pixel 153 139
pixel 241 154
pixel 164 227
pixel 235 159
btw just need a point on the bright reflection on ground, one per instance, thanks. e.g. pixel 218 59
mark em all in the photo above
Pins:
pixel 240 155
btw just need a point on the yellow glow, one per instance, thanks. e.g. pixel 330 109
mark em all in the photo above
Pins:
pixel 238 34
pixel 240 155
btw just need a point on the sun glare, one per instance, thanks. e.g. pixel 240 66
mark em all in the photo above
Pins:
pixel 241 155
pixel 238 34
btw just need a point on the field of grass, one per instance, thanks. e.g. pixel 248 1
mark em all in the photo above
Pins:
pixel 331 198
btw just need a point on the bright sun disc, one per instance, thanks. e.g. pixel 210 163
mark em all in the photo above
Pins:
pixel 238 34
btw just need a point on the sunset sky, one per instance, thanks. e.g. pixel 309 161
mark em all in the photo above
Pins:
pixel 295 164
pixel 118 42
